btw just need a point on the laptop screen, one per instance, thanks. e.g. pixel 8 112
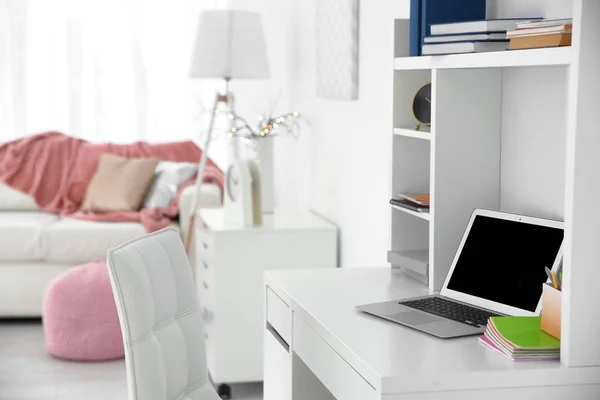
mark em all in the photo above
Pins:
pixel 503 261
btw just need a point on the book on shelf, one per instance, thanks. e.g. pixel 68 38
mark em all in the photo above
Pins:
pixel 520 339
pixel 545 23
pixel 540 31
pixel 424 13
pixel 409 205
pixel 469 37
pixel 422 199
pixel 539 41
pixel 464 47
pixel 486 25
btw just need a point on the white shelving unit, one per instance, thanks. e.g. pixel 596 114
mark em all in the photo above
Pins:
pixel 424 216
pixel 423 133
pixel 500 122
pixel 550 57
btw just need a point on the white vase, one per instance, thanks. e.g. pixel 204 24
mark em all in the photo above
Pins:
pixel 265 161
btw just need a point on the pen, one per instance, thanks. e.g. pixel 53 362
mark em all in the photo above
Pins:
pixel 549 273
pixel 555 281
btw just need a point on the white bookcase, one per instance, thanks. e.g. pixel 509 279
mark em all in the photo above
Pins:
pixel 513 131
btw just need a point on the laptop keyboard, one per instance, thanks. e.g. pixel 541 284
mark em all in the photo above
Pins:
pixel 451 310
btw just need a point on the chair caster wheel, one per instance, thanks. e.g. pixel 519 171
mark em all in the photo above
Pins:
pixel 224 391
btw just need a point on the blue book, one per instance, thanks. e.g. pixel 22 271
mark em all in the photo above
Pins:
pixel 415 28
pixel 424 13
pixel 444 11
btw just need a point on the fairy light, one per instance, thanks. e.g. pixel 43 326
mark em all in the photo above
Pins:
pixel 267 125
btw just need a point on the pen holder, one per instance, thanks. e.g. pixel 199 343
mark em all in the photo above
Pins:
pixel 551 310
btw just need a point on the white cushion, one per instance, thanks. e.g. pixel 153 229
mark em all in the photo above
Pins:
pixel 77 241
pixel 160 319
pixel 11 199
pixel 20 234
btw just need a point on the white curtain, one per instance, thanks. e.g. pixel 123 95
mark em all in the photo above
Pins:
pixel 102 70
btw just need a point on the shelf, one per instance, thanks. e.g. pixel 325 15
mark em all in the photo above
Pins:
pixel 424 133
pixel 556 56
pixel 424 216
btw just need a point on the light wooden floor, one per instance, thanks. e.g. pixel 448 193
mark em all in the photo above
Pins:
pixel 28 372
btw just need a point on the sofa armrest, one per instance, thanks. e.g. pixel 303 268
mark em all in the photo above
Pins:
pixel 210 197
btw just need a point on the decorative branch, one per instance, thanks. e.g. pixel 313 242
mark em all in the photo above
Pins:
pixel 289 124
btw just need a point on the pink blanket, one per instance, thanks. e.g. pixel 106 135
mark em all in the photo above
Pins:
pixel 56 169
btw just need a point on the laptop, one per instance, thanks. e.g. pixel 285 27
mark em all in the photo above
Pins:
pixel 498 269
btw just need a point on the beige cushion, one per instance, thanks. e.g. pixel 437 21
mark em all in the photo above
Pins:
pixel 119 184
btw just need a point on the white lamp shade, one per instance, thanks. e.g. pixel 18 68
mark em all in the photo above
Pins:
pixel 230 44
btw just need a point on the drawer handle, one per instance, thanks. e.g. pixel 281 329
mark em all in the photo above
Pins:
pixel 278 337
pixel 207 315
pixel 205 264
pixel 204 226
pixel 205 285
pixel 205 245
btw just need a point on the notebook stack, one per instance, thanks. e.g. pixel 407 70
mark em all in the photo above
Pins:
pixel 470 37
pixel 536 34
pixel 520 339
pixel 418 202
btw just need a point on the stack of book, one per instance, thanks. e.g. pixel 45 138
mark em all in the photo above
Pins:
pixel 418 202
pixel 470 37
pixel 520 339
pixel 536 34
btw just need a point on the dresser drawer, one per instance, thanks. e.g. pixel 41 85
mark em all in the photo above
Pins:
pixel 205 269
pixel 206 292
pixel 204 260
pixel 204 237
pixel 279 316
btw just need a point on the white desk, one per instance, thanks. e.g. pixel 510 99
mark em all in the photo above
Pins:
pixel 359 357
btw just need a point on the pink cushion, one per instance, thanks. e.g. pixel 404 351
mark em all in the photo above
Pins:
pixel 80 316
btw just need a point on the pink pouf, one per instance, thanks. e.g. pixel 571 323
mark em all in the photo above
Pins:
pixel 80 316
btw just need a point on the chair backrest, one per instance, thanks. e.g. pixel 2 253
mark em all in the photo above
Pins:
pixel 160 319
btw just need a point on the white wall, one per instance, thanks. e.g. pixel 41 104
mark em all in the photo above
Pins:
pixel 341 166
pixel 534 126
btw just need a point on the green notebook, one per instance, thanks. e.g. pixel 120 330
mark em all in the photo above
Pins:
pixel 524 333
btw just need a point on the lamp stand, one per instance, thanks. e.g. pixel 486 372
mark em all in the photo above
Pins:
pixel 227 98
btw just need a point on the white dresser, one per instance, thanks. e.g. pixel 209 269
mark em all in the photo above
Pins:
pixel 230 261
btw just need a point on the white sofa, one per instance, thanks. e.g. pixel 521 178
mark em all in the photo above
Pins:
pixel 35 246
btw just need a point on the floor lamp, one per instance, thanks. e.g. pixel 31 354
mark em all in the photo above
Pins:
pixel 230 44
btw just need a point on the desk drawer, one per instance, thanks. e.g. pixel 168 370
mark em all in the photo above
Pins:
pixel 279 315
pixel 338 377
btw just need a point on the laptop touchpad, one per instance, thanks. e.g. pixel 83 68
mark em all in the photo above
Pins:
pixel 414 318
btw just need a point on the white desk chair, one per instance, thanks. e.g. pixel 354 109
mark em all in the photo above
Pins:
pixel 160 319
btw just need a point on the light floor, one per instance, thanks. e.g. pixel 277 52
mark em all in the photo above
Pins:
pixel 27 372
